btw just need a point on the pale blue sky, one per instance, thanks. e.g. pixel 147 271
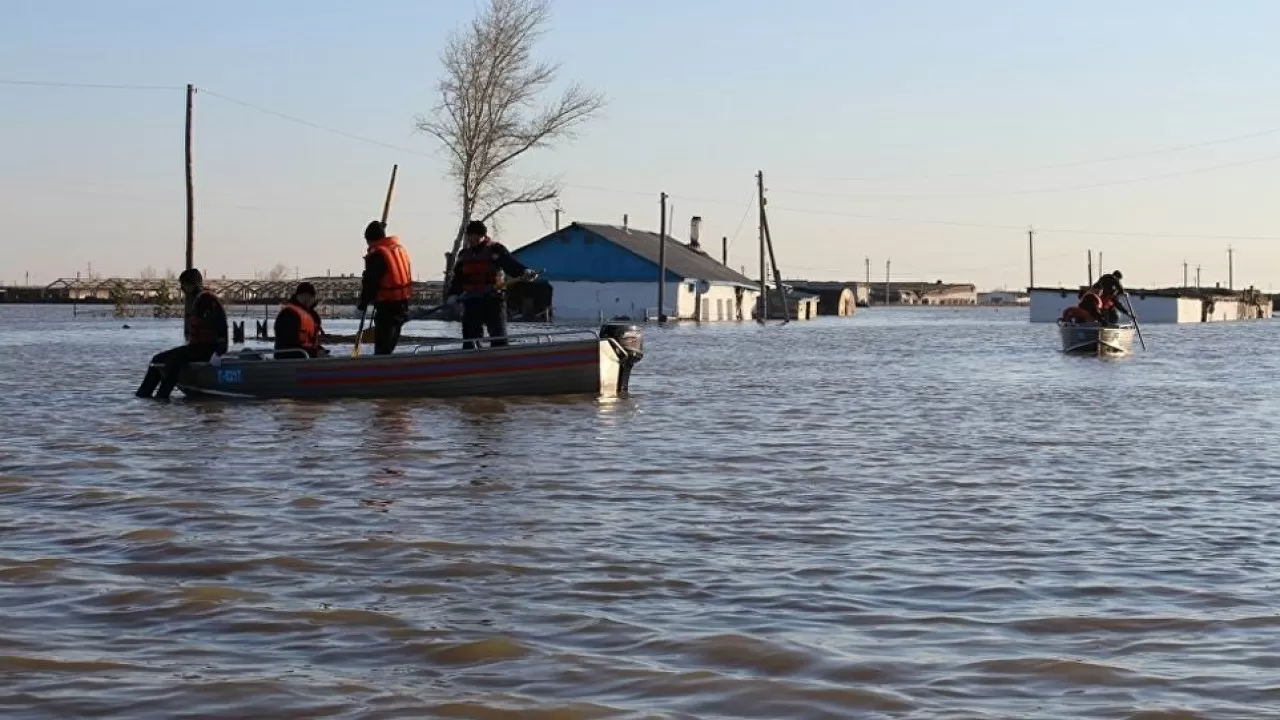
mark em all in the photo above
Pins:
pixel 875 123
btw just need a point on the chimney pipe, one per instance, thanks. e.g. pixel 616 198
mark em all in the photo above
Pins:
pixel 695 225
pixel 724 251
pixel 624 224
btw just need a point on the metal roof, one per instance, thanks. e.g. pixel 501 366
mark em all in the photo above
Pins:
pixel 681 259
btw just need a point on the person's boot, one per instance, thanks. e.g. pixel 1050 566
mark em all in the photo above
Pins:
pixel 149 383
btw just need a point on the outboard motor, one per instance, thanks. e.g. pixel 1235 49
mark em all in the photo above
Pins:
pixel 631 339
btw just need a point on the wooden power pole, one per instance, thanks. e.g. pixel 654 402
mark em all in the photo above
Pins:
pixel 1031 258
pixel 191 193
pixel 662 257
pixel 763 314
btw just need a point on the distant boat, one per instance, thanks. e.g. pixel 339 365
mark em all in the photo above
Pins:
pixel 1096 339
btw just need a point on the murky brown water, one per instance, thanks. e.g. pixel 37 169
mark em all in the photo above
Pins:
pixel 923 514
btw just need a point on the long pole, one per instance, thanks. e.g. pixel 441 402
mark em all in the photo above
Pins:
pixel 662 257
pixel 777 276
pixel 386 212
pixel 191 192
pixel 1031 258
pixel 1231 275
pixel 763 314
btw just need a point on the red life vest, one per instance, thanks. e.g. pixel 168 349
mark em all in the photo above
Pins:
pixel 308 329
pixel 397 281
pixel 199 332
pixel 478 268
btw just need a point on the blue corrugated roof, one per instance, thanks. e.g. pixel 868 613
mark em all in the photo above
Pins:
pixel 681 259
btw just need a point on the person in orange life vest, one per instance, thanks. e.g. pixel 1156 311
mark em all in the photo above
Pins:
pixel 1101 300
pixel 298 324
pixel 387 285
pixel 206 330
pixel 476 284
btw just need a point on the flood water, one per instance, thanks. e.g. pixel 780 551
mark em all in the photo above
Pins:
pixel 913 513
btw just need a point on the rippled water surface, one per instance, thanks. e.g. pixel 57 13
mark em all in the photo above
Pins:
pixel 912 513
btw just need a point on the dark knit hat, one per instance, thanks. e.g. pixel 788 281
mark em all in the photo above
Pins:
pixel 375 231
pixel 475 227
pixel 191 276
pixel 305 288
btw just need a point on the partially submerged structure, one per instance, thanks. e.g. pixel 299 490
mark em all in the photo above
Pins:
pixel 1163 305
pixel 596 270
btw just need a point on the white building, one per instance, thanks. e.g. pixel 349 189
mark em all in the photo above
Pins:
pixel 1162 306
pixel 612 271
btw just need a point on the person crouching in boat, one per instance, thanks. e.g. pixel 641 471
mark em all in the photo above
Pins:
pixel 298 324
pixel 1100 303
pixel 206 331
pixel 475 283
pixel 388 285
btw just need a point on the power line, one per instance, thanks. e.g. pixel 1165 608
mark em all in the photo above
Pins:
pixel 308 123
pixel 1056 166
pixel 94 86
pixel 1034 191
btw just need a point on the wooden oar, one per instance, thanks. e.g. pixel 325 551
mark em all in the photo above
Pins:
pixel 386 210
pixel 1133 314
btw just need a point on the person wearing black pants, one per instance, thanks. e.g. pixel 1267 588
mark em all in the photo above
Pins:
pixel 476 284
pixel 387 286
pixel 206 330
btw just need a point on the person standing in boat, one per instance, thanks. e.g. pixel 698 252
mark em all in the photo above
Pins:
pixel 477 283
pixel 1102 299
pixel 206 331
pixel 387 285
pixel 298 324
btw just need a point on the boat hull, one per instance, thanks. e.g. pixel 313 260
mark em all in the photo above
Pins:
pixel 596 366
pixel 1091 339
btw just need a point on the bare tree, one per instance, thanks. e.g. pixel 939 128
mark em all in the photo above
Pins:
pixel 490 114
pixel 147 273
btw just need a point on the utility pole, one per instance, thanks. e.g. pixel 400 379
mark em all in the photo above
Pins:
pixel 557 217
pixel 1197 277
pixel 886 282
pixel 1090 268
pixel 662 258
pixel 1031 258
pixel 1231 276
pixel 1184 274
pixel 724 251
pixel 763 314
pixel 191 193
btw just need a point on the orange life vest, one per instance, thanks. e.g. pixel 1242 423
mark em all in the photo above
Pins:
pixel 308 329
pixel 397 281
pixel 199 332
pixel 478 268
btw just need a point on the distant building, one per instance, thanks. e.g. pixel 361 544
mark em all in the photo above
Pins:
pixel 834 298
pixel 918 293
pixel 610 270
pixel 1004 297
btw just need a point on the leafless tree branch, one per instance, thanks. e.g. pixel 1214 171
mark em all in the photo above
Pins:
pixel 490 112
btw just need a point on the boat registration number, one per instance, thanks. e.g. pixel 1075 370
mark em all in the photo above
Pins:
pixel 230 376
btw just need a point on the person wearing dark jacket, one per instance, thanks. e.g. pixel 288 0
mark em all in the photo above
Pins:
pixel 1102 299
pixel 387 285
pixel 298 324
pixel 206 331
pixel 476 283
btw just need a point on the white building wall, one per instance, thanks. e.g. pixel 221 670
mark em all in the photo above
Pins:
pixel 588 300
pixel 1047 306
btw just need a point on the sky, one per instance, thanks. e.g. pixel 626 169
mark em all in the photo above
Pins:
pixel 928 134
